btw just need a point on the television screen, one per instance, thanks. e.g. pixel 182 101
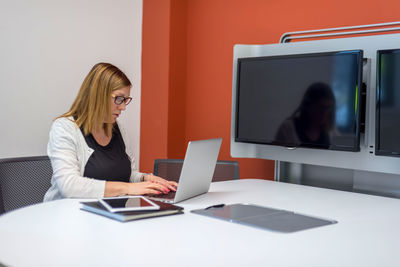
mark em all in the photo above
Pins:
pixel 387 136
pixel 304 100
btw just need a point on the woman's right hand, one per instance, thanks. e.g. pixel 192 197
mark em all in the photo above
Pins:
pixel 114 189
pixel 148 187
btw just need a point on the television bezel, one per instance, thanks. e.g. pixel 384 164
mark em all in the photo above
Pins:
pixel 356 148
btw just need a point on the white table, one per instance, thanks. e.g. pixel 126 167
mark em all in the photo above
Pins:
pixel 58 233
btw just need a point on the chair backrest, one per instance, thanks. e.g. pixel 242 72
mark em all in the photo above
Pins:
pixel 170 169
pixel 23 181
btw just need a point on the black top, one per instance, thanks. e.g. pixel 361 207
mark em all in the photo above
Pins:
pixel 110 162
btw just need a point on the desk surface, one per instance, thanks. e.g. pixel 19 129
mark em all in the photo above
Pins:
pixel 59 234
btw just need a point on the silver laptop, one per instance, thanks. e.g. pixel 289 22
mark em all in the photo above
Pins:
pixel 197 171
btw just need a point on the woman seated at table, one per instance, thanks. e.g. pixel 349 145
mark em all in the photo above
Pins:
pixel 89 148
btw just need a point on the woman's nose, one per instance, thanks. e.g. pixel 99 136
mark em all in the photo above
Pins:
pixel 122 106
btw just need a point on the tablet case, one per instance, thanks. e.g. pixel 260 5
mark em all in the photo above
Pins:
pixel 264 217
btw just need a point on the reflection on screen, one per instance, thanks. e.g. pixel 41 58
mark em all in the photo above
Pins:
pixel 127 202
pixel 388 100
pixel 308 100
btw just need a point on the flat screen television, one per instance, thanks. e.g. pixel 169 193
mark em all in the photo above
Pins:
pixel 387 137
pixel 302 100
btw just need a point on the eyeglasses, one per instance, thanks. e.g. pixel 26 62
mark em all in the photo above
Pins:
pixel 119 99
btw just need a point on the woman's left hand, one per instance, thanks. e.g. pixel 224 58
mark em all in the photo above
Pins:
pixel 171 185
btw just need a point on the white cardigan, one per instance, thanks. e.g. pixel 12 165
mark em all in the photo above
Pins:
pixel 69 153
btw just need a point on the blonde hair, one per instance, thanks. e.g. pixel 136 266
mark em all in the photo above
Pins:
pixel 92 104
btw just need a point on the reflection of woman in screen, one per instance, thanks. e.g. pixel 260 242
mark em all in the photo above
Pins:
pixel 312 122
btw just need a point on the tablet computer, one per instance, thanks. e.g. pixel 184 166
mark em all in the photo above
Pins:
pixel 128 203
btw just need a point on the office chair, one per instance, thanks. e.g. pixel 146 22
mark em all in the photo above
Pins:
pixel 23 181
pixel 170 169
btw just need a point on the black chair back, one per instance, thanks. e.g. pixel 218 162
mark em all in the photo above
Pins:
pixel 170 169
pixel 23 181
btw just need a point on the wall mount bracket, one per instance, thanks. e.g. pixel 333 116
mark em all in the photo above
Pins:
pixel 379 28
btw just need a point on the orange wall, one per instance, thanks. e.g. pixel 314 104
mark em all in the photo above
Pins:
pixel 187 60
pixel 162 130
pixel 155 77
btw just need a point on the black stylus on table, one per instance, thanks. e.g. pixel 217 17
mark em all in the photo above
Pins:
pixel 215 206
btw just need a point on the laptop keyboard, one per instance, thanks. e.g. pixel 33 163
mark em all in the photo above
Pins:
pixel 170 195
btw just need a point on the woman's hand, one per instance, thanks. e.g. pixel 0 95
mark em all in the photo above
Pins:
pixel 113 189
pixel 171 185
pixel 147 187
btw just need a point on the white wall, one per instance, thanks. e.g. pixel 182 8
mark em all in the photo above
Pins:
pixel 47 47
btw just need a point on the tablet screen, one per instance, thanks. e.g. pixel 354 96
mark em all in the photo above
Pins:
pixel 138 202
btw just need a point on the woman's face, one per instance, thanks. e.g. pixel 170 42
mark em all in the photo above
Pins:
pixel 321 112
pixel 117 109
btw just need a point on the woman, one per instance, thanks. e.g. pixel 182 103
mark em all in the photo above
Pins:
pixel 89 148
